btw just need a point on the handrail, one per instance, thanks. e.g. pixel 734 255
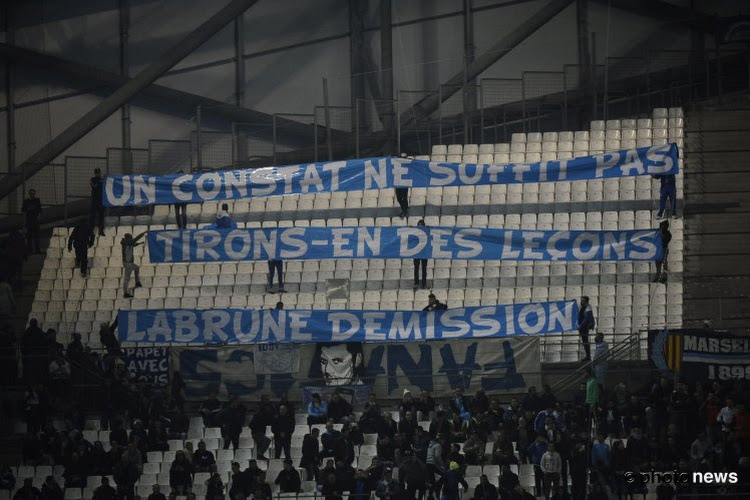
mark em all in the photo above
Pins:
pixel 613 354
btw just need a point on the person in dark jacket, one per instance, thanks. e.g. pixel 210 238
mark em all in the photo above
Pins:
pixel 586 323
pixel 27 491
pixel 662 266
pixel 258 430
pixel 288 479
pixel 330 488
pixel 51 490
pixel 156 493
pixel 413 472
pixel 328 440
pixel 361 488
pixel 105 491
pixel 214 487
pixel 485 490
pixel 180 474
pixel 82 238
pixel 203 460
pixel 343 448
pixel 262 490
pixel 97 206
pixel 420 263
pixel 240 482
pixel 450 482
pixel 232 420
pixel 339 408
pixel 667 190
pixel 434 304
pixel 311 454
pixel 32 207
pixel 283 428
pixel 7 479
pixel 126 474
pixel 402 197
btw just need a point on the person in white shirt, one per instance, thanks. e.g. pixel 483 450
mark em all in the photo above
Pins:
pixel 551 465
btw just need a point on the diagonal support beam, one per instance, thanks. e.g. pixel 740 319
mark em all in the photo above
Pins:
pixel 499 49
pixel 122 95
pixel 105 81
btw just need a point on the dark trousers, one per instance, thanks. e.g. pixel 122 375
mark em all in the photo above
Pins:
pixel 671 194
pixel 96 216
pixel 415 490
pixel 32 237
pixel 662 265
pixel 278 267
pixel 285 443
pixel 550 481
pixel 82 259
pixel 262 442
pixel 233 439
pixel 584 334
pixel 402 197
pixel 180 211
pixel 423 264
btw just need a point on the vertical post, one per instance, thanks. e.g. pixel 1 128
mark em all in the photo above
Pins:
pixel 124 71
pixel 356 129
pixel 327 110
pixel 606 87
pixel 315 134
pixel 239 84
pixel 398 122
pixel 357 49
pixel 273 146
pixel 198 146
pixel 386 75
pixel 65 191
pixel 10 115
pixel 469 90
pixel 592 76
pixel 440 113
pixel 582 32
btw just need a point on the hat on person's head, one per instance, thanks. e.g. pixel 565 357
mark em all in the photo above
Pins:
pixel 454 466
pixel 407 391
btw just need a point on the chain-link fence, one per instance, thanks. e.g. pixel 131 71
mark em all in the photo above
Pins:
pixel 213 151
pixel 501 107
pixel 414 134
pixel 543 92
pixel 284 135
pixel 128 160
pixel 376 118
pixel 334 120
pixel 247 147
pixel 169 156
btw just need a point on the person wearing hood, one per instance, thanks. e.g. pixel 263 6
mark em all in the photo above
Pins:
pixel 451 481
pixel 662 265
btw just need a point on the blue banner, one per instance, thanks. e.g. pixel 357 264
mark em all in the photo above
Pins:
pixel 253 326
pixel 376 173
pixel 400 242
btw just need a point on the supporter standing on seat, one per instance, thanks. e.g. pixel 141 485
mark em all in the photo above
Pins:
pixel 402 196
pixel 97 206
pixel 283 428
pixel 32 207
pixel 232 420
pixel 180 211
pixel 668 190
pixel 82 238
pixel 586 323
pixel 223 220
pixel 420 263
pixel 128 244
pixel 434 304
pixel 276 266
pixel 662 266
pixel 601 357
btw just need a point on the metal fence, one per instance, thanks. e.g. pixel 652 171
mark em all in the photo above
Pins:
pixel 488 112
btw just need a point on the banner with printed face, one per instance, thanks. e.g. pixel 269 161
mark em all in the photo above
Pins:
pixel 149 364
pixel 495 365
pixel 376 173
pixel 394 242
pixel 253 326
pixel 700 355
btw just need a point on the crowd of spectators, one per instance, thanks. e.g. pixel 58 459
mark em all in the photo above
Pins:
pixel 587 443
